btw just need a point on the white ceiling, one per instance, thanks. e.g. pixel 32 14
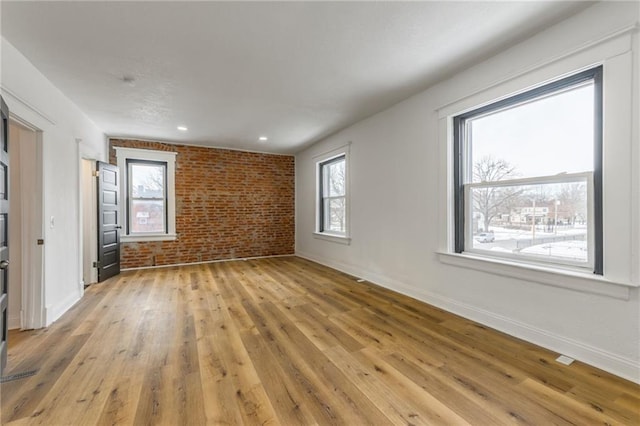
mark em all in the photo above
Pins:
pixel 231 72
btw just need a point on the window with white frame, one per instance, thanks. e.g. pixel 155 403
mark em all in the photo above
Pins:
pixel 332 196
pixel 528 175
pixel 147 189
pixel 147 194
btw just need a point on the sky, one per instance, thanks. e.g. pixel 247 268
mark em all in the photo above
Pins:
pixel 563 144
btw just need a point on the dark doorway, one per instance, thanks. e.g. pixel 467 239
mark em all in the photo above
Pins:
pixel 4 237
pixel 108 221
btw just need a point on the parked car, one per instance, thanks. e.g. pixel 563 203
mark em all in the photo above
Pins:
pixel 485 237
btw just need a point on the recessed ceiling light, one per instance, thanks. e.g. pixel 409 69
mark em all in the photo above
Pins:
pixel 182 128
pixel 263 138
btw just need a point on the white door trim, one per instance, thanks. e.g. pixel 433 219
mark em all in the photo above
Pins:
pixel 32 313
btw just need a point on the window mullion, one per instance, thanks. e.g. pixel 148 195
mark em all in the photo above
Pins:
pixel 562 178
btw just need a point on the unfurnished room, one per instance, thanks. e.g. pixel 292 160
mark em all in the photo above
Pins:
pixel 320 213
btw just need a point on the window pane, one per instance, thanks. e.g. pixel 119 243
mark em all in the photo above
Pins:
pixel 541 220
pixel 547 136
pixel 335 215
pixel 147 216
pixel 147 180
pixel 334 178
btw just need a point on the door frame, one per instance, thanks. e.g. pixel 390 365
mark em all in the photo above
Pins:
pixel 33 313
pixel 91 214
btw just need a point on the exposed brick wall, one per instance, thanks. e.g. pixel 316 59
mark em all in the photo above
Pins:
pixel 229 204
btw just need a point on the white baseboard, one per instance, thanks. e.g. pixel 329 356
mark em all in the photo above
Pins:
pixel 52 313
pixel 13 322
pixel 607 361
pixel 204 262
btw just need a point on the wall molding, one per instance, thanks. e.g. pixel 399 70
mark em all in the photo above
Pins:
pixel 117 137
pixel 26 104
pixel 607 361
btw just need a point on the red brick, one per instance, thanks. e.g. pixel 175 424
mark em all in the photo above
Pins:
pixel 229 204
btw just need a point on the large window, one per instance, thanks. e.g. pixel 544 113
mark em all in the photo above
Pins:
pixel 332 192
pixel 528 175
pixel 147 194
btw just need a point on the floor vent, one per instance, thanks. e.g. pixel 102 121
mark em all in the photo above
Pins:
pixel 18 376
pixel 563 359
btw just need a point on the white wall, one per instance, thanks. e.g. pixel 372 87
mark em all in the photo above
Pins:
pixel 66 136
pixel 400 200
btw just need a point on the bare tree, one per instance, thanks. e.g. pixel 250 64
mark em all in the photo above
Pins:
pixel 572 198
pixel 494 200
pixel 337 178
pixel 149 181
pixel 155 181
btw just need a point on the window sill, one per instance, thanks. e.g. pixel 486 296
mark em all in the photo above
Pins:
pixel 151 237
pixel 333 238
pixel 573 280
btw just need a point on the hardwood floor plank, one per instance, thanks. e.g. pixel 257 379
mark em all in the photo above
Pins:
pixel 218 391
pixel 345 398
pixel 21 397
pixel 563 405
pixel 281 388
pixel 122 402
pixel 472 405
pixel 593 398
pixel 424 403
pixel 315 397
pixel 319 330
pixel 251 399
pixel 285 341
pixel 395 408
pixel 151 409
pixel 317 289
pixel 82 390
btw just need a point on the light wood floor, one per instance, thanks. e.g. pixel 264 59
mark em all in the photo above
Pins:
pixel 286 341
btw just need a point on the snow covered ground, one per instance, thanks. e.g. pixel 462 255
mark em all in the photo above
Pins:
pixel 502 234
pixel 558 245
pixel 569 250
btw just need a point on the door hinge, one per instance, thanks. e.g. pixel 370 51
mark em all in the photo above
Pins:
pixel 40 241
pixel 97 264
pixel 96 173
